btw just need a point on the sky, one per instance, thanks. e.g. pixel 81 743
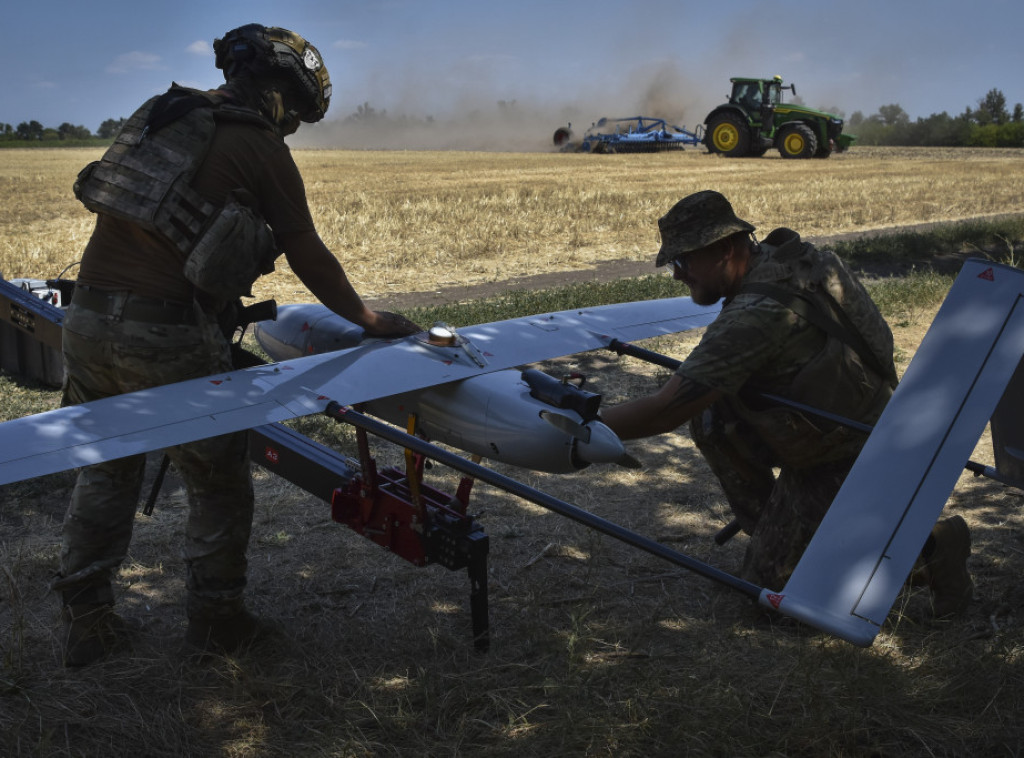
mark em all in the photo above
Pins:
pixel 549 61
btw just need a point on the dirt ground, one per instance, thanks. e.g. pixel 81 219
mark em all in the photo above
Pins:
pixel 373 656
pixel 376 654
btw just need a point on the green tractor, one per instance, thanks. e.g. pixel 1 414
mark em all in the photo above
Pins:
pixel 755 119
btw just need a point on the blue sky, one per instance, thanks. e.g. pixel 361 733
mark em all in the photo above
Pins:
pixel 84 62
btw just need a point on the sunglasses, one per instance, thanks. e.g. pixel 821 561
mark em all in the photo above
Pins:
pixel 680 264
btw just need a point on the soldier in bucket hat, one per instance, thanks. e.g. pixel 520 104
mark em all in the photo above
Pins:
pixel 795 323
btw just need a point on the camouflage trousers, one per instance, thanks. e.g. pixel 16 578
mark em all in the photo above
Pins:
pixel 780 513
pixel 103 356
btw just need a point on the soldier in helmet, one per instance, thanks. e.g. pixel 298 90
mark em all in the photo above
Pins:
pixel 196 198
pixel 795 323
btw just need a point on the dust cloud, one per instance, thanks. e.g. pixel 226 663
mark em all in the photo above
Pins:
pixel 474 118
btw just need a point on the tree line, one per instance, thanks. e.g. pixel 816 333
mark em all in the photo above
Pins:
pixel 990 124
pixel 33 131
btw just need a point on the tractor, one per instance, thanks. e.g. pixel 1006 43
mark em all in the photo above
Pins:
pixel 755 119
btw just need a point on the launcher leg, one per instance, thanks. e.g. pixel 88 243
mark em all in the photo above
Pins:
pixel 478 600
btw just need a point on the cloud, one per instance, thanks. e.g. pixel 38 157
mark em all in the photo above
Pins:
pixel 134 61
pixel 349 44
pixel 200 47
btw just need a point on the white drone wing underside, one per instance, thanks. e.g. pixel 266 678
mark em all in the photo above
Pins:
pixel 164 416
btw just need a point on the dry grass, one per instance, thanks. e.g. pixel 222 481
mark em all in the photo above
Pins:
pixel 403 222
pixel 598 650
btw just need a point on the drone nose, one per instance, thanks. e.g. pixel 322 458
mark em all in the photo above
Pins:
pixel 604 445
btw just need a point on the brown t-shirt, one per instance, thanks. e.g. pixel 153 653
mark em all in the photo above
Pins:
pixel 122 256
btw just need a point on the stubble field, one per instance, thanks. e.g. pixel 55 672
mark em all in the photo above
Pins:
pixel 408 222
pixel 597 649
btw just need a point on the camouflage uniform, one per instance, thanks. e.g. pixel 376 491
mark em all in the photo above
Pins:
pixel 196 197
pixel 136 321
pixel 107 355
pixel 758 345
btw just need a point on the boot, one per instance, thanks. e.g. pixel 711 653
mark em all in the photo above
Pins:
pixel 90 632
pixel 945 568
pixel 210 634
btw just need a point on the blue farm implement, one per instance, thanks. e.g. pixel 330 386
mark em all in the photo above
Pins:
pixel 638 134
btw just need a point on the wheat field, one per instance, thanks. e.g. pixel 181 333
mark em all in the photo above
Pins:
pixel 410 221
pixel 597 649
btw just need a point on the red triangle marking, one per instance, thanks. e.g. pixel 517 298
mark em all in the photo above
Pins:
pixel 988 275
pixel 775 599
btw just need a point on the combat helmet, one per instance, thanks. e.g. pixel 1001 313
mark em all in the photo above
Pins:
pixel 270 52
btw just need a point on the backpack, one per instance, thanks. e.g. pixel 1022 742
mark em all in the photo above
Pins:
pixel 853 375
pixel 828 295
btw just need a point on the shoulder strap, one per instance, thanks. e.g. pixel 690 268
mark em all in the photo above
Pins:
pixel 839 327
pixel 178 101
pixel 174 104
pixel 242 114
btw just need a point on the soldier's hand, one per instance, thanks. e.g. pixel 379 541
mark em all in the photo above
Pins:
pixel 388 324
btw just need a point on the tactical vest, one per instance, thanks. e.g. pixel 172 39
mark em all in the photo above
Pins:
pixel 145 177
pixel 853 375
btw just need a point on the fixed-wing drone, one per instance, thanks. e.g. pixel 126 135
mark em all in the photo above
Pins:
pixel 458 386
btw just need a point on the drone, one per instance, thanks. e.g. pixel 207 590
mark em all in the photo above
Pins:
pixel 467 388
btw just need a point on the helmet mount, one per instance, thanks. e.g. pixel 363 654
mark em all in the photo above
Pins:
pixel 283 58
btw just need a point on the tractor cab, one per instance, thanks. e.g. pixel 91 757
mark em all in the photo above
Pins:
pixel 758 98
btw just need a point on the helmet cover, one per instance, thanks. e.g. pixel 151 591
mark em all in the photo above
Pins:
pixel 274 53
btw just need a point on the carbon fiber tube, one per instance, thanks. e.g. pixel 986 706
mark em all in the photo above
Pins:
pixel 348 415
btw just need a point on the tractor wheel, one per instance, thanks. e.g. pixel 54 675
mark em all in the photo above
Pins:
pixel 797 141
pixel 825 150
pixel 729 135
pixel 562 136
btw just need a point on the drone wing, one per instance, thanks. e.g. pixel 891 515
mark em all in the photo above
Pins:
pixel 164 416
pixel 861 555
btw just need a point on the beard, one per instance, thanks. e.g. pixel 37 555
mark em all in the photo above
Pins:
pixel 702 294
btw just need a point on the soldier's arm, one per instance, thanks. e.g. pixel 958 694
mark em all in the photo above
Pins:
pixel 324 276
pixel 674 404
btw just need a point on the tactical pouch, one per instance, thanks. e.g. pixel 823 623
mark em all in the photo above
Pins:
pixel 235 249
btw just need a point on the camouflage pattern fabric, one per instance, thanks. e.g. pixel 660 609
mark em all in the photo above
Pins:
pixel 756 346
pixel 105 356
pixel 145 178
pixel 781 514
pixel 695 222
